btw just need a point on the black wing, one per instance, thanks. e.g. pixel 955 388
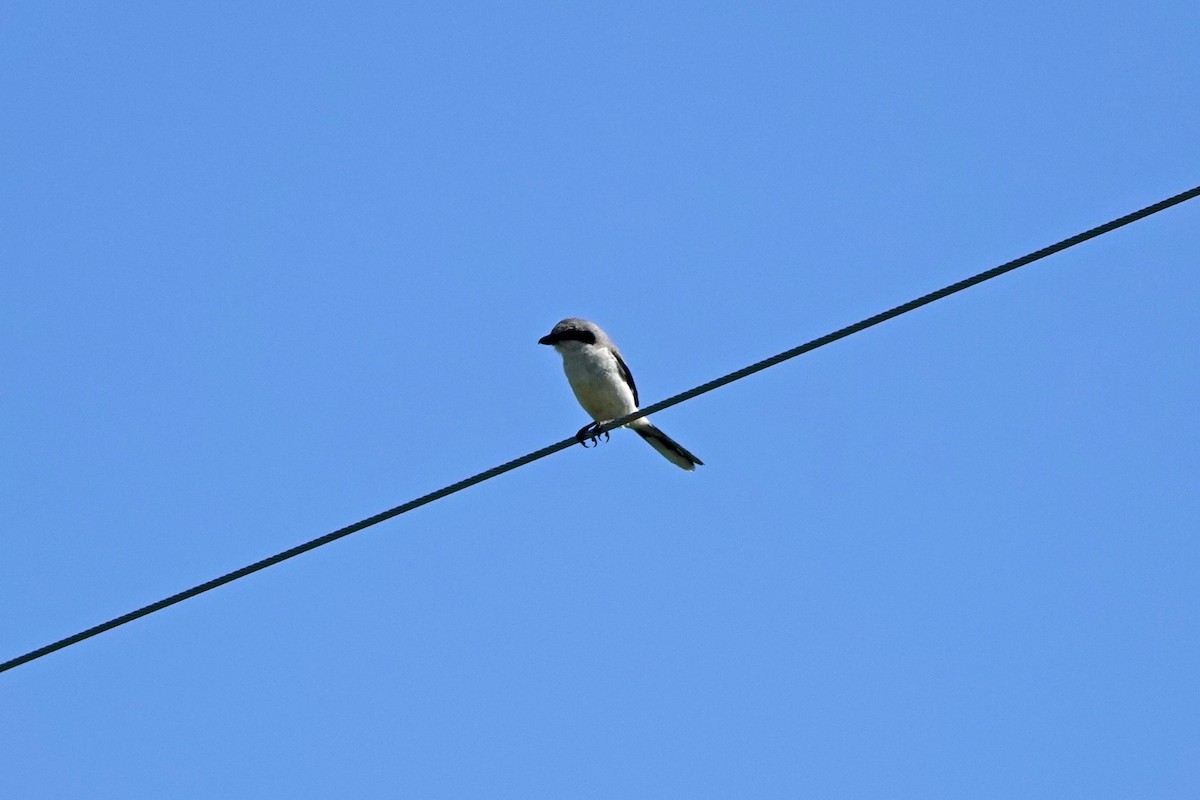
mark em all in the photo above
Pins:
pixel 626 374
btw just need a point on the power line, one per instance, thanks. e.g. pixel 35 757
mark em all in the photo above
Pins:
pixel 565 443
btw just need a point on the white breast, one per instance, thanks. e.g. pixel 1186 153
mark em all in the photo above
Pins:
pixel 595 377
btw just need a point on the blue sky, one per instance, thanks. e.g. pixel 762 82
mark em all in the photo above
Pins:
pixel 272 269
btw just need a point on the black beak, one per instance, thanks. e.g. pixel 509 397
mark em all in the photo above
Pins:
pixel 547 339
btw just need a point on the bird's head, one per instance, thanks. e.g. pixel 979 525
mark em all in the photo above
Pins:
pixel 572 333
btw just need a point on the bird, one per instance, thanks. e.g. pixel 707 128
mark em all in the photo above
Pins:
pixel 604 386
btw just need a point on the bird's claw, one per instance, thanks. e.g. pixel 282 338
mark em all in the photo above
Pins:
pixel 588 434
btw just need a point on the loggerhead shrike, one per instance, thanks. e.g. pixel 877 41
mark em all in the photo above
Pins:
pixel 604 386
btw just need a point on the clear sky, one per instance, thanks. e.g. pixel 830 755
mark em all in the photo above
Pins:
pixel 270 268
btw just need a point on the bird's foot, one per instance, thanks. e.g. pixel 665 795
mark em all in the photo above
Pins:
pixel 588 434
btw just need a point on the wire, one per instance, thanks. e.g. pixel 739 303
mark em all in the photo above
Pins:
pixel 608 426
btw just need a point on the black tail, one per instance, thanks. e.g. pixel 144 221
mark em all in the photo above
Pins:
pixel 671 449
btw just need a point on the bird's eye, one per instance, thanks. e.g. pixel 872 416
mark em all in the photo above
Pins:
pixel 576 335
